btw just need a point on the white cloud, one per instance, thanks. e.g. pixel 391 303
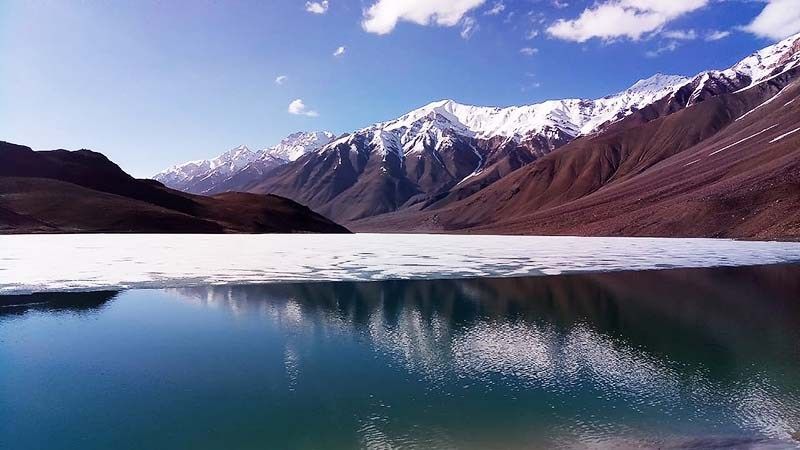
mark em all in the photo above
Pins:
pixel 496 9
pixel 715 35
pixel 614 19
pixel 560 4
pixel 383 15
pixel 779 19
pixel 529 51
pixel 682 35
pixel 468 27
pixel 280 79
pixel 317 7
pixel 298 108
pixel 340 51
pixel 531 34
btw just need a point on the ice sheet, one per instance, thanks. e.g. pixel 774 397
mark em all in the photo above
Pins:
pixel 41 263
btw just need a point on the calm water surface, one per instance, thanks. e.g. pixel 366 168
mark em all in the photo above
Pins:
pixel 678 358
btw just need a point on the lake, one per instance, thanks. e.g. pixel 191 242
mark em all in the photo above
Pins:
pixel 694 358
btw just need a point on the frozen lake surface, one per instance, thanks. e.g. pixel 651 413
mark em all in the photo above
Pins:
pixel 42 263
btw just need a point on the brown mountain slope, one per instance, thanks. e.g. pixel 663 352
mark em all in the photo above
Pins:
pixel 62 191
pixel 358 178
pixel 435 163
pixel 696 172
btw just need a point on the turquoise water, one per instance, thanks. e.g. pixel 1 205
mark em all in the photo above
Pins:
pixel 677 358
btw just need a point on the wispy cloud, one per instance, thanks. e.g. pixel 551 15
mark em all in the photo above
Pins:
pixel 468 27
pixel 779 19
pixel 666 48
pixel 383 15
pixel 613 19
pixel 529 51
pixel 340 51
pixel 496 9
pixel 529 83
pixel 280 79
pixel 317 7
pixel 298 108
pixel 682 35
pixel 715 35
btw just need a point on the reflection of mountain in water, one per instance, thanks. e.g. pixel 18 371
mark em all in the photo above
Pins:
pixel 76 302
pixel 715 343
pixel 723 311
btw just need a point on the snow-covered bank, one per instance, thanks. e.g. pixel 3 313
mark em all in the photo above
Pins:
pixel 39 263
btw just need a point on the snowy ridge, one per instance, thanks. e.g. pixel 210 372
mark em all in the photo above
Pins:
pixel 754 69
pixel 290 148
pixel 434 125
pixel 763 63
pixel 440 123
pixel 445 124
pixel 298 144
pixel 572 116
pixel 225 164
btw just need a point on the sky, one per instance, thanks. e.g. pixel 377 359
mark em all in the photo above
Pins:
pixel 151 83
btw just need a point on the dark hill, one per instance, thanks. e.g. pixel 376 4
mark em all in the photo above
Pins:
pixel 82 191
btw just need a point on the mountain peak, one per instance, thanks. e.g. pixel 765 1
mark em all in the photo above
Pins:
pixel 194 176
pixel 657 82
pixel 571 117
pixel 298 144
pixel 240 150
pixel 445 103
pixel 762 63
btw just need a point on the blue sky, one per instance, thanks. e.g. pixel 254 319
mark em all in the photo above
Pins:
pixel 152 83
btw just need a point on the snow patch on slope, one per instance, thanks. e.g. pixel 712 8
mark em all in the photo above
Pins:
pixel 784 135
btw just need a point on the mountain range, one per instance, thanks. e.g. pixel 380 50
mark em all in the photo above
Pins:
pixel 240 164
pixel 62 191
pixel 715 154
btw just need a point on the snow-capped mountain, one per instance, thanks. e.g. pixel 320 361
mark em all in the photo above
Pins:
pixel 434 125
pixel 445 151
pixel 558 120
pixel 553 121
pixel 754 69
pixel 298 144
pixel 223 164
pixel 770 61
pixel 446 145
pixel 575 117
pixel 572 116
pixel 204 176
